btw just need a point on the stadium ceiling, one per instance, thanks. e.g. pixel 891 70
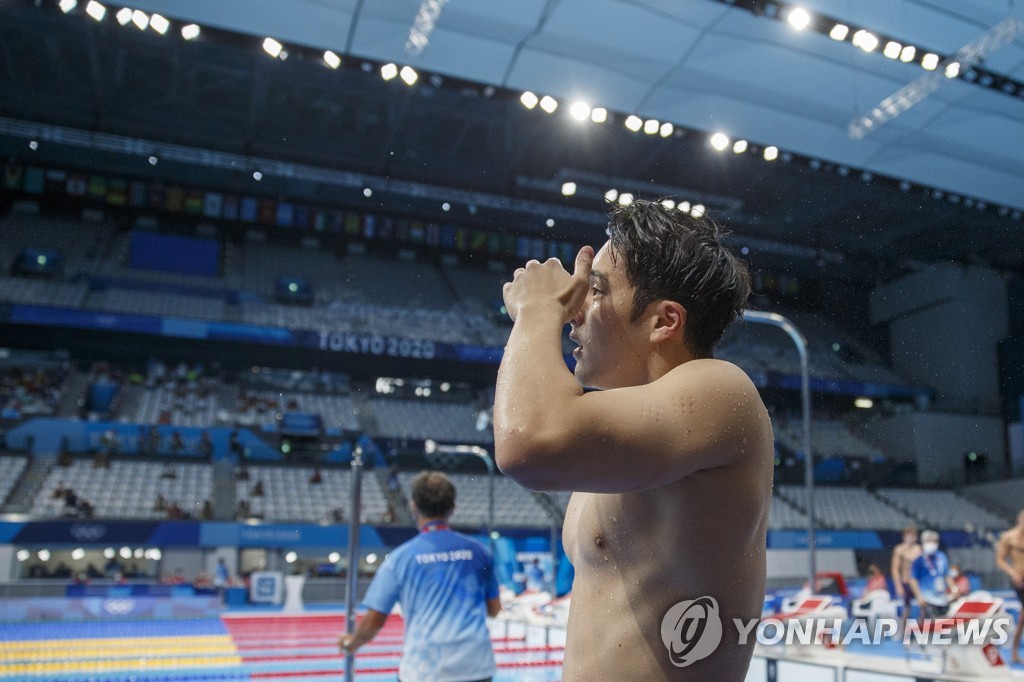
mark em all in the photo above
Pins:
pixel 938 173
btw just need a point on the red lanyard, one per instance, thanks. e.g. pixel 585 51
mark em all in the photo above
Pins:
pixel 433 525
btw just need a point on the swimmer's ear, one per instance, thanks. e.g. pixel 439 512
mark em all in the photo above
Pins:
pixel 668 321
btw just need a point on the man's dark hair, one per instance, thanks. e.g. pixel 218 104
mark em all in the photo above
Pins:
pixel 433 494
pixel 671 255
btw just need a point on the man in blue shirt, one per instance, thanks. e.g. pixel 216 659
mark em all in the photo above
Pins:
pixel 929 577
pixel 446 585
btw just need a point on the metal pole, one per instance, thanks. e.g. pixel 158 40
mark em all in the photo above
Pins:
pixel 353 556
pixel 490 491
pixel 776 320
pixel 554 560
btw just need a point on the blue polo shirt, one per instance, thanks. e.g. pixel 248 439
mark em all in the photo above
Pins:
pixel 442 580
pixel 930 573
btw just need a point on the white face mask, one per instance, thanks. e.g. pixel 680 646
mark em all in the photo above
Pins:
pixel 930 547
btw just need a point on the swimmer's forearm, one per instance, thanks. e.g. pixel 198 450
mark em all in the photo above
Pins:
pixel 534 386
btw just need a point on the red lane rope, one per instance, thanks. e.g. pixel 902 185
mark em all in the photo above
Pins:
pixel 385 654
pixel 381 671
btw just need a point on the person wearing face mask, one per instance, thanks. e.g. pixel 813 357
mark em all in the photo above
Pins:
pixel 930 577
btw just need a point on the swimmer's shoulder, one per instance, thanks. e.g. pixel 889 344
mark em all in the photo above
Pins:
pixel 719 376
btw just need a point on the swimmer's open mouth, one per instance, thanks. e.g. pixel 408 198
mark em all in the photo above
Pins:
pixel 579 345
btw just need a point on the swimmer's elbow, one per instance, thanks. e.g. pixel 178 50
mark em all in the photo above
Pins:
pixel 526 458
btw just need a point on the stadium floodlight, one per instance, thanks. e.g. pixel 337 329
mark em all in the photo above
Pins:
pixel 668 203
pixel 68 5
pixel 334 557
pixel 599 115
pixel 446 207
pixel 78 554
pixel 698 211
pixel 389 71
pixel 719 141
pixel 291 557
pixel 190 32
pixel 907 53
pixel 684 207
pixel 864 403
pixel 952 69
pixel 124 16
pixel 771 153
pixel 331 59
pixel 548 104
pixel 739 146
pixel 23 555
pixel 44 555
pixel 930 61
pixel 371 558
pixel 651 126
pixel 96 10
pixel 367 192
pixel 159 23
pixel 550 222
pixel 611 195
pixel 865 40
pixel 409 75
pixel 568 189
pixel 528 99
pixel 257 176
pixel 625 199
pixel 580 111
pixel 140 19
pixel 892 49
pixel 799 18
pixel 634 123
pixel 272 47
pixel 666 129
pixel 839 32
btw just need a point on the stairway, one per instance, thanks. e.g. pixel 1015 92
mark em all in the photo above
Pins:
pixel 918 519
pixel 29 485
pixel 552 508
pixel 395 497
pixel 74 391
pixel 223 490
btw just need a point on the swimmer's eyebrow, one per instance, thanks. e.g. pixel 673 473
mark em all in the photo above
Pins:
pixel 601 278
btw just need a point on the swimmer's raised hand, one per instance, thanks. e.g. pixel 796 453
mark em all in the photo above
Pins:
pixel 548 286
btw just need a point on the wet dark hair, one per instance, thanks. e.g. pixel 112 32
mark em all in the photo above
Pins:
pixel 433 494
pixel 671 255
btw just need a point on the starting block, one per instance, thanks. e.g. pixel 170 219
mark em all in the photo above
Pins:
pixel 872 606
pixel 962 642
pixel 807 615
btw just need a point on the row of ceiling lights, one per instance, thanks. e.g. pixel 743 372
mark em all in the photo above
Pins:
pixel 581 111
pixel 126 15
pixel 869 41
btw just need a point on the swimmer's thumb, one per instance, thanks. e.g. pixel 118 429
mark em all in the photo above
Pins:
pixel 584 262
pixel 579 283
